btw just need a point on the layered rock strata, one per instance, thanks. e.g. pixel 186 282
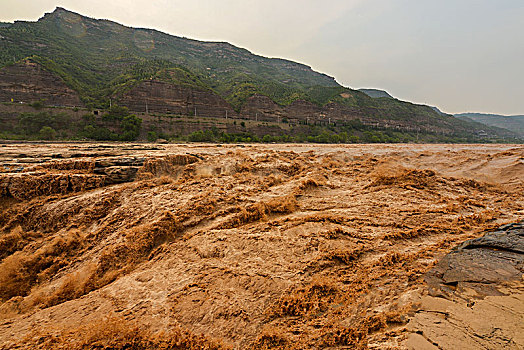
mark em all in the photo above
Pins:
pixel 481 264
pixel 67 176
pixel 475 298
pixel 27 82
pixel 153 96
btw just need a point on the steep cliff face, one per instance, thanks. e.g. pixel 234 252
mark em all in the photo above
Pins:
pixel 27 81
pixel 303 111
pixel 264 109
pixel 156 96
pixel 187 125
pixel 261 108
pixel 340 112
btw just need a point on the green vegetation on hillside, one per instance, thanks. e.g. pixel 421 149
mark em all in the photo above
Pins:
pixel 115 125
pixel 101 60
pixel 98 57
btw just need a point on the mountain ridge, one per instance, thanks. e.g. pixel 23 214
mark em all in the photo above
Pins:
pixel 133 46
pixel 147 70
pixel 513 123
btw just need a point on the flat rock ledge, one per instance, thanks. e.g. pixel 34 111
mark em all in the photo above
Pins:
pixel 62 176
pixel 475 296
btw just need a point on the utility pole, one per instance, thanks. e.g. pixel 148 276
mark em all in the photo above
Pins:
pixel 256 117
pixel 147 109
pixel 226 114
pixel 110 102
pixel 195 112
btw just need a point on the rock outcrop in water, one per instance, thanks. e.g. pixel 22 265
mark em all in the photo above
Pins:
pixel 61 177
pixel 482 263
pixel 476 298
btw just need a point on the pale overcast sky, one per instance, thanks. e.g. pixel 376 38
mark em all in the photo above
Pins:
pixel 459 55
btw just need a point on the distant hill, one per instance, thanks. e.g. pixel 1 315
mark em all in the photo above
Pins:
pixel 68 60
pixel 375 93
pixel 514 123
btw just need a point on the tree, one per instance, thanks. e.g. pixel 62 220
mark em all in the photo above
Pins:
pixel 152 136
pixel 267 138
pixel 116 113
pixel 130 127
pixel 47 133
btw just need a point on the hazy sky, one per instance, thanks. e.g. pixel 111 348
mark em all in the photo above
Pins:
pixel 460 55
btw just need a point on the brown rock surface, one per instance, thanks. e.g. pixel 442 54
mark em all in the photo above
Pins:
pixel 27 81
pixel 160 97
pixel 262 108
pixel 476 296
pixel 61 177
pixel 482 263
pixel 303 111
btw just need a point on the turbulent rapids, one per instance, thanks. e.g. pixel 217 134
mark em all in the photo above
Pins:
pixel 258 246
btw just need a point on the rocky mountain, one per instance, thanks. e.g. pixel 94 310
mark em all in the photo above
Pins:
pixel 66 59
pixel 514 123
pixel 99 57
